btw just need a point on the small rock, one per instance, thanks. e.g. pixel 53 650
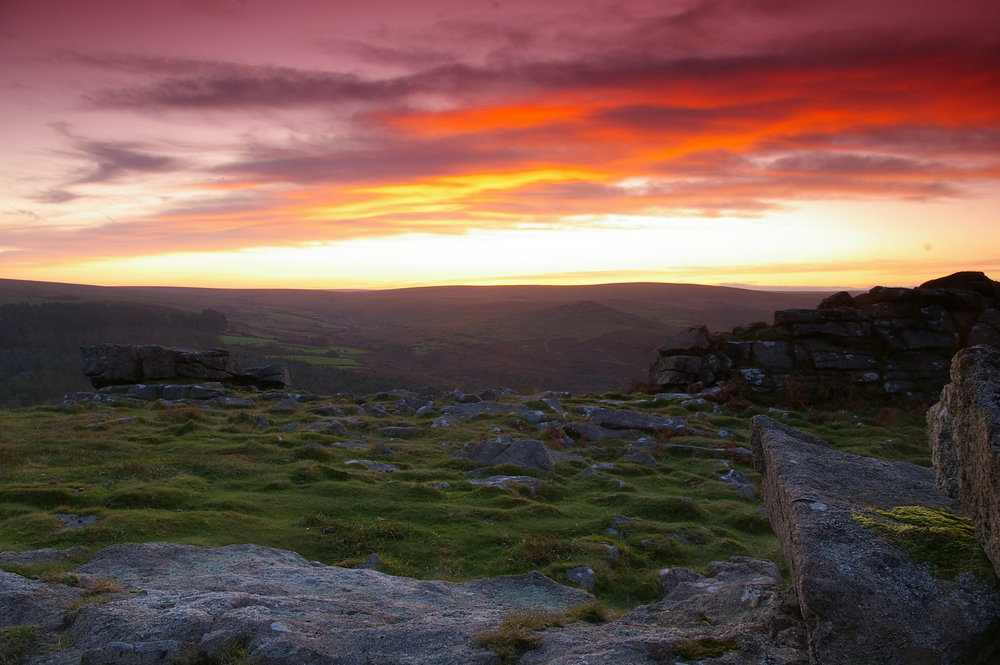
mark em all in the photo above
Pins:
pixel 505 481
pixel 424 410
pixel 332 427
pixel 640 457
pixel 671 578
pixel 613 552
pixel 581 576
pixel 372 562
pixel 373 466
pixel 738 480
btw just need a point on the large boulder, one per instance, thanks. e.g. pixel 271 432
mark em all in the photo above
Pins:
pixel 122 364
pixel 530 454
pixel 111 364
pixel 964 433
pixel 843 522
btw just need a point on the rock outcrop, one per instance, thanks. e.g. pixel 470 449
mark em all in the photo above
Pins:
pixel 122 364
pixel 737 614
pixel 865 596
pixel 964 432
pixel 165 604
pixel 895 340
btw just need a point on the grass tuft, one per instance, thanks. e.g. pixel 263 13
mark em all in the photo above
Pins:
pixel 17 641
pixel 515 635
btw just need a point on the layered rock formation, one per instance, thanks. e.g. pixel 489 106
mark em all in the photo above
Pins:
pixel 895 340
pixel 119 364
pixel 850 530
pixel 964 432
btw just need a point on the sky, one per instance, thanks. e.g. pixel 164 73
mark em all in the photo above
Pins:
pixel 388 143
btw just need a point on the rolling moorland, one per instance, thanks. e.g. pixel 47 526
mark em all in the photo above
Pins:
pixel 610 488
pixel 530 338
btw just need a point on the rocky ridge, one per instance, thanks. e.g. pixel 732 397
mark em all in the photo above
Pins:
pixel 124 364
pixel 897 341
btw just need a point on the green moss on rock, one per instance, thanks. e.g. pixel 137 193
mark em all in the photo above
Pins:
pixel 937 537
pixel 699 649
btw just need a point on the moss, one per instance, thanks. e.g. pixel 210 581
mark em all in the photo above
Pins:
pixel 937 537
pixel 16 642
pixel 699 649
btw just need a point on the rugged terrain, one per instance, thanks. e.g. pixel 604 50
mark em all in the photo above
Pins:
pixel 617 496
pixel 581 338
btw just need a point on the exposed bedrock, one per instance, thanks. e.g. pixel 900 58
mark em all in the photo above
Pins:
pixel 964 433
pixel 166 604
pixel 866 595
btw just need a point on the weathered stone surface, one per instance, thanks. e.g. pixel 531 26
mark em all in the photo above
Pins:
pixel 506 482
pixel 740 602
pixel 684 364
pixel 771 354
pixel 864 599
pixel 274 375
pixel 471 410
pixel 110 364
pixel 24 602
pixel 969 280
pixel 591 432
pixel 624 419
pixel 839 300
pixel 696 339
pixel 372 465
pixel 526 453
pixel 117 364
pixel 32 557
pixel 671 578
pixel 853 341
pixel 197 602
pixel 333 427
pixel 964 433
pixel 581 576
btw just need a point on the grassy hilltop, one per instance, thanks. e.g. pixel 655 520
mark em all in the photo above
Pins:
pixel 201 474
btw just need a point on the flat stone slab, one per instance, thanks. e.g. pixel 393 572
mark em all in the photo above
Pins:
pixel 285 610
pixel 865 599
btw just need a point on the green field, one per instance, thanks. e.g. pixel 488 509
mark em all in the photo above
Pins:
pixel 345 356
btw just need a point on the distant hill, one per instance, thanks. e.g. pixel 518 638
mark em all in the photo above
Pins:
pixel 579 338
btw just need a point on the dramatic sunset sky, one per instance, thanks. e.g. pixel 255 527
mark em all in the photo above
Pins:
pixel 380 143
